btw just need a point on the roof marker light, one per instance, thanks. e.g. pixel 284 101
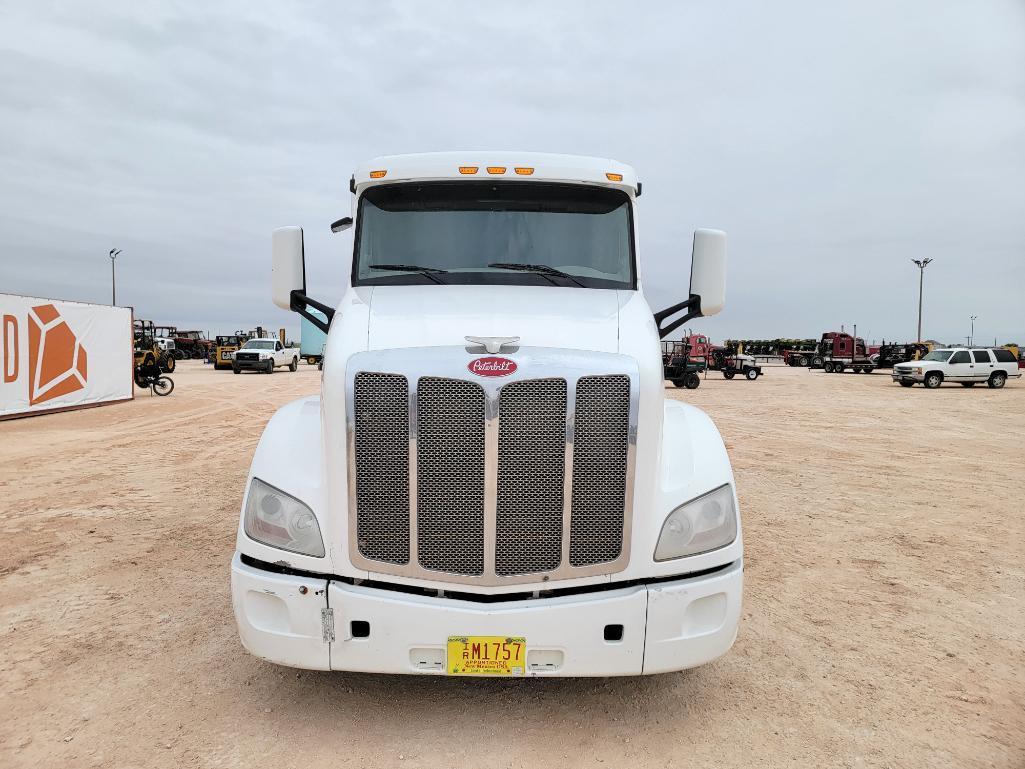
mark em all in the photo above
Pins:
pixel 468 169
pixel 377 174
pixel 614 177
pixel 496 169
pixel 523 171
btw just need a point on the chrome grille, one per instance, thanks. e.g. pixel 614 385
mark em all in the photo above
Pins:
pixel 601 435
pixel 531 473
pixel 381 408
pixel 491 480
pixel 450 475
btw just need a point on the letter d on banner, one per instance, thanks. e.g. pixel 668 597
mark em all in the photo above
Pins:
pixel 11 357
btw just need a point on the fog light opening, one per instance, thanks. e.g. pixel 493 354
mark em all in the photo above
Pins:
pixel 359 628
pixel 613 633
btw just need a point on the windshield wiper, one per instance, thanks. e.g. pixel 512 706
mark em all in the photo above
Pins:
pixel 427 272
pixel 541 269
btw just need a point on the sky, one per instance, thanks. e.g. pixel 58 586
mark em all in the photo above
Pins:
pixel 834 142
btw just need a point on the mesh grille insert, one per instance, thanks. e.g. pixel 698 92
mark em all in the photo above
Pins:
pixel 381 408
pixel 531 470
pixel 450 475
pixel 601 432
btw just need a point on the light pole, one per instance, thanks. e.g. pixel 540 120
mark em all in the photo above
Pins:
pixel 922 264
pixel 972 337
pixel 113 283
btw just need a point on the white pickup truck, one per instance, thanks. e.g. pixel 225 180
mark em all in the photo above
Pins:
pixel 492 481
pixel 264 355
pixel 966 366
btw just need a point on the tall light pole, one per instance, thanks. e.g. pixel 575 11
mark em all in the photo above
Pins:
pixel 971 339
pixel 113 283
pixel 922 264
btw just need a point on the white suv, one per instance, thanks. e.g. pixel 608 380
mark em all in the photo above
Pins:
pixel 264 355
pixel 965 366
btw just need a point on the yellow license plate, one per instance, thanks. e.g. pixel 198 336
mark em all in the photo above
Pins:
pixel 486 655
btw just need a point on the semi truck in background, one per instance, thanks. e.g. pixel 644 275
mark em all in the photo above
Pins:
pixel 312 338
pixel 491 481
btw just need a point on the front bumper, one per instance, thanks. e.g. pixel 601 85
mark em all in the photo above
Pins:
pixel 251 364
pixel 667 626
pixel 906 376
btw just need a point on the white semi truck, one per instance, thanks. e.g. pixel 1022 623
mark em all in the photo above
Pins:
pixel 491 481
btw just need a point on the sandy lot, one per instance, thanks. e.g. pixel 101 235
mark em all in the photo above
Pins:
pixel 884 620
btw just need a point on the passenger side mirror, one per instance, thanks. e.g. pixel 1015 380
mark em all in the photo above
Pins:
pixel 288 268
pixel 708 271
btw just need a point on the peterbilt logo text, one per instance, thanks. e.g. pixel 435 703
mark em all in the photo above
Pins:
pixel 491 366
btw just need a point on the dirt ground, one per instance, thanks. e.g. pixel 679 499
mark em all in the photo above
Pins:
pixel 884 619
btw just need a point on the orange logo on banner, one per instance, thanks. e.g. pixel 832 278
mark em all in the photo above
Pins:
pixel 56 359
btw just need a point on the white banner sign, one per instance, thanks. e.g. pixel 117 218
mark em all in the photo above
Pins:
pixel 59 355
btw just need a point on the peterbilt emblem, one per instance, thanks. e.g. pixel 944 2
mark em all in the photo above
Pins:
pixel 492 366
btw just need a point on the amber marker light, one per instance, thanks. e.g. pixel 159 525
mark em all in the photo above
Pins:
pixel 524 171
pixel 496 169
pixel 614 177
pixel 377 174
pixel 468 170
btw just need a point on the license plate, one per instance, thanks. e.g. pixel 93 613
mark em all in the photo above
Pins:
pixel 486 655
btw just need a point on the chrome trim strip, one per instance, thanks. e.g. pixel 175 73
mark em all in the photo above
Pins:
pixel 567 480
pixel 532 363
pixel 491 417
pixel 414 531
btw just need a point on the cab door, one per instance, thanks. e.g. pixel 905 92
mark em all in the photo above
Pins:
pixel 984 364
pixel 960 367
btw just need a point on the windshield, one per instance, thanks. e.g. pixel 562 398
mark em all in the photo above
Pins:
pixel 259 344
pixel 462 232
pixel 938 355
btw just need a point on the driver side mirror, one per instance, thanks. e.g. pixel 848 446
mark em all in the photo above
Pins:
pixel 288 265
pixel 707 295
pixel 708 271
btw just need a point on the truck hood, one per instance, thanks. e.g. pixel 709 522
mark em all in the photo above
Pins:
pixel 426 316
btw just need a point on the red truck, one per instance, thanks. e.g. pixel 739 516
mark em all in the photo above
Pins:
pixel 835 345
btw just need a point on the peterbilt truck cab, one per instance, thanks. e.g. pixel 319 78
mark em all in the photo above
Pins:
pixel 491 481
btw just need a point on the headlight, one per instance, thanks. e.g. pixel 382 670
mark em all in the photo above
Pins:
pixel 279 520
pixel 703 524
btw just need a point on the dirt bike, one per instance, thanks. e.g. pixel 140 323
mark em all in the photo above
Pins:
pixel 149 375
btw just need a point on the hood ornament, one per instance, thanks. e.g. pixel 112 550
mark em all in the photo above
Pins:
pixel 493 344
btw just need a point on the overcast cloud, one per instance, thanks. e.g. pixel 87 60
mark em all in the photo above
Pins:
pixel 833 141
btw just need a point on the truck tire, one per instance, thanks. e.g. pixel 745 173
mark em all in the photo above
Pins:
pixel 997 380
pixel 751 374
pixel 816 362
pixel 311 361
pixel 236 370
pixel 933 380
pixel 802 361
pixel 838 367
pixel 828 367
pixel 727 374
pixel 907 384
pixel 270 366
pixel 168 364
pixel 692 381
pixel 294 365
